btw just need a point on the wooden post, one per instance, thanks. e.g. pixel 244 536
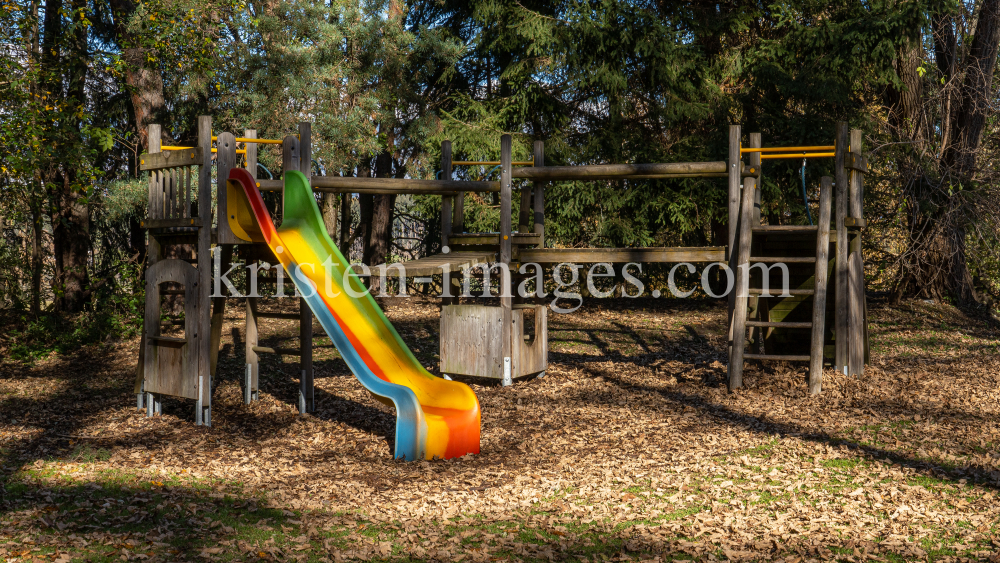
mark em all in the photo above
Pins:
pixel 735 166
pixel 225 161
pixel 447 201
pixel 741 257
pixel 218 308
pixel 734 170
pixel 289 160
pixel 840 306
pixel 856 269
pixel 524 220
pixel 252 374
pixel 753 301
pixel 152 256
pixel 819 288
pixel 307 402
pixel 539 188
pixel 458 217
pixel 203 406
pixel 754 163
pixel 506 304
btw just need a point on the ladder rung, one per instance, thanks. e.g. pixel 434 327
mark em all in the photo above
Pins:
pixel 288 316
pixel 281 351
pixel 776 357
pixel 776 291
pixel 788 259
pixel 780 324
pixel 784 229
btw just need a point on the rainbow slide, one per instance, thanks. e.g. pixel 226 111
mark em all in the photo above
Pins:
pixel 435 417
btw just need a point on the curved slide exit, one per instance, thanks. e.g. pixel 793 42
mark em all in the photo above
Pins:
pixel 435 417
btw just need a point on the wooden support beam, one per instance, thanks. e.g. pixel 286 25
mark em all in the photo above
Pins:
pixel 855 262
pixel 506 317
pixel 755 164
pixel 447 201
pixel 842 272
pixel 622 255
pixel 203 405
pixel 734 170
pixel 592 171
pixel 742 255
pixel 169 159
pixel 818 337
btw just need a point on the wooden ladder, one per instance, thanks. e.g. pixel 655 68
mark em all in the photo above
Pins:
pixel 745 296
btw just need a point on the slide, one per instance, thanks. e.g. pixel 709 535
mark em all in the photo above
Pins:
pixel 435 417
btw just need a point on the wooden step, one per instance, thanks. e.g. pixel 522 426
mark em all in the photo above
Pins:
pixel 785 229
pixel 776 292
pixel 789 324
pixel 786 259
pixel 776 357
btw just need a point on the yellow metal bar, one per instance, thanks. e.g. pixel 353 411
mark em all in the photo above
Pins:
pixel 175 148
pixel 252 140
pixel 490 163
pixel 799 155
pixel 788 149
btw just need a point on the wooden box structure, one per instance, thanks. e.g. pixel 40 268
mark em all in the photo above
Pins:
pixel 472 346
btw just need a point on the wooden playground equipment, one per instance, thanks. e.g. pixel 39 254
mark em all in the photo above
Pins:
pixel 492 341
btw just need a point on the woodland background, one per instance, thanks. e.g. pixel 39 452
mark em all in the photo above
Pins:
pixel 385 81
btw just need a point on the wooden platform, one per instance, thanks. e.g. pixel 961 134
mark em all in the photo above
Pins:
pixel 431 265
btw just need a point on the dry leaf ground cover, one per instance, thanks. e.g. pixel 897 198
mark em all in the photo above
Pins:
pixel 629 449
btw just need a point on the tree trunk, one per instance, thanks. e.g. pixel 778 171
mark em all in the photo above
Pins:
pixel 379 241
pixel 330 209
pixel 145 83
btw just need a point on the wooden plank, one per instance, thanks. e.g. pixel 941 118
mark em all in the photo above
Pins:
pixel 841 287
pixel 170 159
pixel 739 317
pixel 776 357
pixel 602 171
pixel 169 223
pixel 411 186
pixel 819 300
pixel 470 341
pixel 622 255
pixel 856 222
pixel 780 324
pixel 433 265
pixel 494 239
pixel 539 195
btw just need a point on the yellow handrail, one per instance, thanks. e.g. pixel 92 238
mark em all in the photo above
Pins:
pixel 781 149
pixel 799 155
pixel 254 140
pixel 490 163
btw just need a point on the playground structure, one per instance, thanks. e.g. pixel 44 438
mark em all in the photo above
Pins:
pixel 438 417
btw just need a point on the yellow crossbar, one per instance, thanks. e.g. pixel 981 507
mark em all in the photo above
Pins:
pixel 176 148
pixel 788 149
pixel 799 155
pixel 490 163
